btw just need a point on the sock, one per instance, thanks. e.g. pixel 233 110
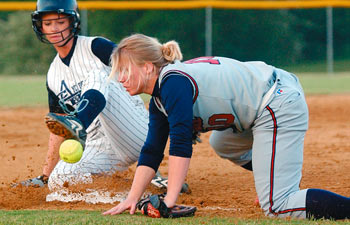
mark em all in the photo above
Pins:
pixel 326 204
pixel 87 113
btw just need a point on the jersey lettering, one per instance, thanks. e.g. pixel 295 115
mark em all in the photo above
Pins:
pixel 206 59
pixel 216 122
pixel 220 121
pixel 73 94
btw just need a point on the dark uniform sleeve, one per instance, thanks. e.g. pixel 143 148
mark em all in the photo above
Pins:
pixel 103 49
pixel 176 94
pixel 152 152
pixel 54 106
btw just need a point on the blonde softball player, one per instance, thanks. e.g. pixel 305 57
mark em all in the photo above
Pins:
pixel 257 113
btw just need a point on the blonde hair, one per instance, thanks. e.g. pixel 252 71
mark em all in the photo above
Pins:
pixel 138 49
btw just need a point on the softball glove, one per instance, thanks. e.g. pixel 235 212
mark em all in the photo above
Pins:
pixel 154 206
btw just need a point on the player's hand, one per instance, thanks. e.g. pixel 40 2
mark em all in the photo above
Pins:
pixel 121 207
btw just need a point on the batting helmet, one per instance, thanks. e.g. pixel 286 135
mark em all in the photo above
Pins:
pixel 66 7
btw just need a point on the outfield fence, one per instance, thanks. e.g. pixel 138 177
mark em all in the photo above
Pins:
pixel 207 5
pixel 163 5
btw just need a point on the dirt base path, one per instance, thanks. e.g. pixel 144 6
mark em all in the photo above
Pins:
pixel 218 187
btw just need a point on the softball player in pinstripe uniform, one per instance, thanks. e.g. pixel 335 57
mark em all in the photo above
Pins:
pixel 256 112
pixel 111 124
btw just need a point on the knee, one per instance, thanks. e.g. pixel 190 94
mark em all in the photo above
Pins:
pixel 281 206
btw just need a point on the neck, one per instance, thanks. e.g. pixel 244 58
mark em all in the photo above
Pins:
pixel 150 84
pixel 63 51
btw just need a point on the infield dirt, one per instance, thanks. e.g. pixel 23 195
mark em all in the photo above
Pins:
pixel 218 187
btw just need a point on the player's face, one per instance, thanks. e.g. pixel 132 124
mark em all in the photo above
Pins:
pixel 56 27
pixel 133 78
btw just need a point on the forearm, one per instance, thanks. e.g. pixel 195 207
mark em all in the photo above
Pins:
pixel 52 156
pixel 143 177
pixel 178 167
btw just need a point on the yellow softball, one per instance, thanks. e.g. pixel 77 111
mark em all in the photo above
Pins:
pixel 71 151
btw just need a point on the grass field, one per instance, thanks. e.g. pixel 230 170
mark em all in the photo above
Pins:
pixel 31 90
pixel 28 217
pixel 17 91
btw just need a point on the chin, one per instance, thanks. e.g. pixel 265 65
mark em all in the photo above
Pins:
pixel 132 93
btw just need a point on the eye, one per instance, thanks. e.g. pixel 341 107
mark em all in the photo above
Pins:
pixel 47 23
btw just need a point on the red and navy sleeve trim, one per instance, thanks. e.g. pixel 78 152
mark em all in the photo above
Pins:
pixel 194 83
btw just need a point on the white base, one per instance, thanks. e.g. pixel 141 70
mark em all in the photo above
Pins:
pixel 91 196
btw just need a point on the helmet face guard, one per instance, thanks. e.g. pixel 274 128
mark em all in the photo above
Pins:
pixel 64 9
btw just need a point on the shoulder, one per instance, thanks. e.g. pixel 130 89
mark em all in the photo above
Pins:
pixel 101 42
pixel 102 48
pixel 96 42
pixel 175 85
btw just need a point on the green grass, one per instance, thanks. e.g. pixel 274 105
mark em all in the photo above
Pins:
pixel 318 66
pixel 43 217
pixel 31 90
pixel 318 83
pixel 23 91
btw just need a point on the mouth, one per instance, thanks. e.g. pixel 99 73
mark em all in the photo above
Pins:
pixel 54 37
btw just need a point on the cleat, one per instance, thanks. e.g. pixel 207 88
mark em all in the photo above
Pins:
pixel 68 127
pixel 162 183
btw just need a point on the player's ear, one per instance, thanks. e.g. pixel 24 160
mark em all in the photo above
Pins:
pixel 149 68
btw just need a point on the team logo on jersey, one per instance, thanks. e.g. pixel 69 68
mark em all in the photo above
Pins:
pixel 279 91
pixel 70 94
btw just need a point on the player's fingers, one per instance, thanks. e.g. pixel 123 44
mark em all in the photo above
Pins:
pixel 107 212
pixel 112 211
pixel 132 208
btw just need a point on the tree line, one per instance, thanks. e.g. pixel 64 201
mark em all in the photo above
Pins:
pixel 278 37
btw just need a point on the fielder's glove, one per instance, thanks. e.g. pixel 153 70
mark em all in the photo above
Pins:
pixel 154 206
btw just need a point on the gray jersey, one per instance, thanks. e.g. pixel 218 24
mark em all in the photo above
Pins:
pixel 268 106
pixel 227 92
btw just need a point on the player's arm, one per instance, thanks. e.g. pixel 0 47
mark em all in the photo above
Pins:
pixel 97 79
pixel 103 48
pixel 52 156
pixel 176 94
pixel 95 86
pixel 152 152
pixel 150 158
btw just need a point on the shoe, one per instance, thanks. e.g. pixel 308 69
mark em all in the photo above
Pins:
pixel 162 183
pixel 68 127
pixel 39 181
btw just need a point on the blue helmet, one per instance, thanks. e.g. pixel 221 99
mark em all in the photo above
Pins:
pixel 69 8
